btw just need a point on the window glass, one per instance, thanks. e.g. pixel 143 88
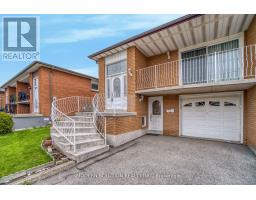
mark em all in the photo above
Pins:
pixel 125 86
pixel 229 104
pixel 234 44
pixel 156 107
pixel 200 103
pixel 188 105
pixel 94 86
pixel 214 103
pixel 116 68
pixel 117 87
pixel 144 121
pixel 108 88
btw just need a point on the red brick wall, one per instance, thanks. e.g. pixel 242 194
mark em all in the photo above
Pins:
pixel 250 34
pixel 2 100
pixel 251 117
pixel 162 58
pixel 53 83
pixel 171 120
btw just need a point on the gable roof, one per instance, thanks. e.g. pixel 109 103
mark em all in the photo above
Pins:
pixel 38 64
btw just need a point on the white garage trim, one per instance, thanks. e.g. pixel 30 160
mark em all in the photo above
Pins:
pixel 222 94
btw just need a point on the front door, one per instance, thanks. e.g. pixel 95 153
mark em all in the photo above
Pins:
pixel 116 92
pixel 155 107
pixel 35 95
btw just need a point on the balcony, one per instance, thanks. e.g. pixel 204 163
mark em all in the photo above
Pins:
pixel 220 68
pixel 24 97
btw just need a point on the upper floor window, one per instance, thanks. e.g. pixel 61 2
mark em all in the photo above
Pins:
pixel 116 68
pixel 211 63
pixel 94 85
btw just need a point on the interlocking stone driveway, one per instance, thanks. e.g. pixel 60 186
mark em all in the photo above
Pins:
pixel 168 160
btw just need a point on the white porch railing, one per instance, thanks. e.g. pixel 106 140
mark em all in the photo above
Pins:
pixel 63 108
pixel 99 119
pixel 235 64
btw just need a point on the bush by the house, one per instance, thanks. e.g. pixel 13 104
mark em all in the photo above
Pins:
pixel 6 123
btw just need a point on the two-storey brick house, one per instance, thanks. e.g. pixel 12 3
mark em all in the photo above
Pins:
pixel 33 89
pixel 191 77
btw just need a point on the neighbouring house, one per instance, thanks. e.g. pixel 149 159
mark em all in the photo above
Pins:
pixel 2 103
pixel 31 91
pixel 191 77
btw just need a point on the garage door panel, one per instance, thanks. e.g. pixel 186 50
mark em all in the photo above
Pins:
pixel 212 117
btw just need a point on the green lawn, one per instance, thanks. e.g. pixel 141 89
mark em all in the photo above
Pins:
pixel 22 150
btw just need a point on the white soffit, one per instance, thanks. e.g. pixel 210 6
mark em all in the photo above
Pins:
pixel 197 30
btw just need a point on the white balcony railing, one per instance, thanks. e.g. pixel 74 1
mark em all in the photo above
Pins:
pixel 235 64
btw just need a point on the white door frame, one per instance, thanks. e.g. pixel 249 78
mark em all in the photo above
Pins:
pixel 220 94
pixel 33 89
pixel 160 98
pixel 122 100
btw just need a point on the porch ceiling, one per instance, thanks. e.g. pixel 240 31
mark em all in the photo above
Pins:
pixel 188 32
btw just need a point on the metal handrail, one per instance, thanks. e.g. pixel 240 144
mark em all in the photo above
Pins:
pixel 62 108
pixel 234 64
pixel 56 117
pixel 99 119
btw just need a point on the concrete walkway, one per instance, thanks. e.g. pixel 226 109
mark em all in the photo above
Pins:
pixel 168 160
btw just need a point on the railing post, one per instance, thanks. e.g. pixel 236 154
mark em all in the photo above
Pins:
pixel 74 137
pixel 77 104
pixel 242 63
pixel 156 78
pixel 215 66
pixel 180 77
pixel 105 130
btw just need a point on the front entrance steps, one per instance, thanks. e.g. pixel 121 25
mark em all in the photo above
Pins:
pixel 89 143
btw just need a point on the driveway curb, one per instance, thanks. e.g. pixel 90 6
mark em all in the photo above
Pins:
pixel 44 174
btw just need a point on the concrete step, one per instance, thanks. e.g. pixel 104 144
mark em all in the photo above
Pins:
pixel 78 123
pixel 82 144
pixel 82 118
pixel 89 152
pixel 79 136
pixel 84 114
pixel 80 129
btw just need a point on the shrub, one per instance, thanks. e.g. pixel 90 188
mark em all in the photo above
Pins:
pixel 6 123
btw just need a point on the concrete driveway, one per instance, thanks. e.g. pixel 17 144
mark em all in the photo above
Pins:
pixel 168 160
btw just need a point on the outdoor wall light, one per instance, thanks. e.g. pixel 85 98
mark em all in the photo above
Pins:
pixel 141 97
pixel 130 71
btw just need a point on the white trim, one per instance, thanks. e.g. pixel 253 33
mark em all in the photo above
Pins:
pixel 239 36
pixel 162 112
pixel 219 94
pixel 117 57
pixel 36 77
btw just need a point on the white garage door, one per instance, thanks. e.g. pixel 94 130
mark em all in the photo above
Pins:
pixel 212 117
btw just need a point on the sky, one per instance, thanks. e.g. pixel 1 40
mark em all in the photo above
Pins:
pixel 67 40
